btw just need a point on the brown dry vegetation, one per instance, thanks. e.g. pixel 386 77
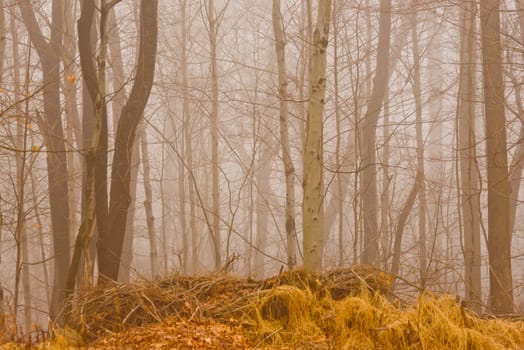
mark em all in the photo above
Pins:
pixel 342 309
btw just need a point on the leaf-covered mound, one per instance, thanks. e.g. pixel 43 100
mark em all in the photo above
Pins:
pixel 342 309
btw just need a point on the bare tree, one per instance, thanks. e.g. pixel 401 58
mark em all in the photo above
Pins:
pixel 289 168
pixel 52 129
pixel 368 179
pixel 110 245
pixel 499 234
pixel 467 157
pixel 312 206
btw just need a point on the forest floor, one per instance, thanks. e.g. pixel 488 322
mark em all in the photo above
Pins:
pixel 349 308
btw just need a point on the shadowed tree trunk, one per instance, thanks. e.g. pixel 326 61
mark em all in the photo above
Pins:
pixel 470 196
pixel 499 234
pixel 53 133
pixel 110 244
pixel 95 192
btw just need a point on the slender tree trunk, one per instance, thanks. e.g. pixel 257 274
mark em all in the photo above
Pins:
pixel 22 239
pixel 499 234
pixel 49 53
pixel 338 160
pixel 85 278
pixel 117 103
pixel 401 223
pixel 20 142
pixel 368 178
pixel 262 209
pixel 2 58
pixel 470 194
pixel 213 117
pixel 289 168
pixel 385 201
pixel 148 204
pixel 72 127
pixel 420 151
pixel 188 134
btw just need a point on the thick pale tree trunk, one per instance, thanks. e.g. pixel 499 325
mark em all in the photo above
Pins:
pixel 469 177
pixel 289 169
pixel 312 206
pixel 368 178
pixel 499 234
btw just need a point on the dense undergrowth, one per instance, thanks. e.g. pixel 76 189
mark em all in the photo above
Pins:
pixel 342 309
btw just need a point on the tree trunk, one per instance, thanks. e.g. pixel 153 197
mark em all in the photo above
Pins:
pixel 262 209
pixel 338 160
pixel 368 178
pixel 73 128
pixel 213 117
pixel 95 195
pixel 420 151
pixel 53 133
pixel 117 103
pixel 517 162
pixel 470 194
pixel 401 223
pixel 110 244
pixel 148 204
pixel 289 168
pixel 312 206
pixel 499 234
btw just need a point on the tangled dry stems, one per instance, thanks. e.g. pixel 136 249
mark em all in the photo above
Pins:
pixel 343 309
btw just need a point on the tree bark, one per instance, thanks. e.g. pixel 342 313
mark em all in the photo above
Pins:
pixel 49 54
pixel 95 194
pixel 148 203
pixel 420 151
pixel 470 191
pixel 213 117
pixel 368 179
pixel 312 206
pixel 499 234
pixel 110 244
pixel 289 168
pixel 188 138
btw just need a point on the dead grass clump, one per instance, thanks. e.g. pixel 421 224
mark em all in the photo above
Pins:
pixel 291 316
pixel 286 315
